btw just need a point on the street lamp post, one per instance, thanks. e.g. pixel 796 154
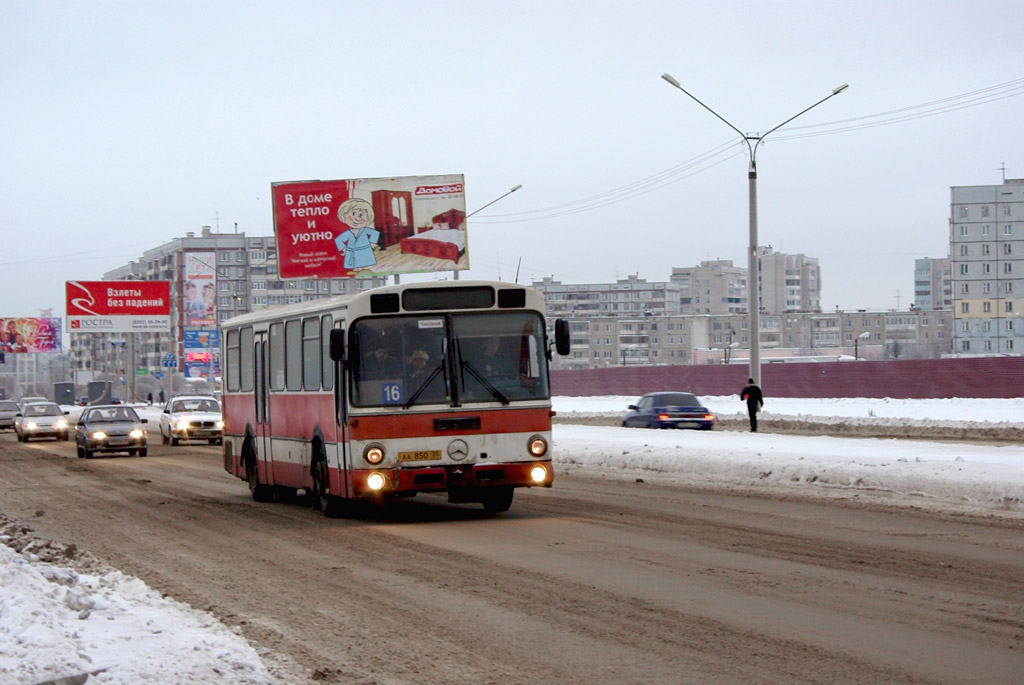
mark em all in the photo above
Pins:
pixel 753 141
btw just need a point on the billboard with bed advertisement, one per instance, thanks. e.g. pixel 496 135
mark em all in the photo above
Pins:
pixel 370 226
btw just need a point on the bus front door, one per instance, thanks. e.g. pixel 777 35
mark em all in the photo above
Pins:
pixel 260 395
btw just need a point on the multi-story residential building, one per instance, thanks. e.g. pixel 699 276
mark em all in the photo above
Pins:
pixel 632 296
pixel 986 241
pixel 788 283
pixel 933 283
pixel 714 287
pixel 244 278
pixel 599 341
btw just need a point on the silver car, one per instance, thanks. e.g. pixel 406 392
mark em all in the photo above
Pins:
pixel 191 417
pixel 8 410
pixel 110 428
pixel 41 420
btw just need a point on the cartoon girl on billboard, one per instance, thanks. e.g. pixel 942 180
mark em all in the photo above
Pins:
pixel 358 243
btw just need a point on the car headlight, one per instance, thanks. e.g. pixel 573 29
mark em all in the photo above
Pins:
pixel 374 454
pixel 181 425
pixel 62 424
pixel 31 425
pixel 220 424
pixel 98 435
pixel 137 433
pixel 537 446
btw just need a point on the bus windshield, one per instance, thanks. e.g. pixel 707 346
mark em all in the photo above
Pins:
pixel 456 359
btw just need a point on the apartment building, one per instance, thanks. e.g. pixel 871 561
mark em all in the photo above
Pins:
pixel 632 296
pixel 986 240
pixel 933 283
pixel 601 341
pixel 713 287
pixel 788 282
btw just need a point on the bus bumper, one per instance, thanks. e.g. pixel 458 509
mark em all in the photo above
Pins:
pixel 464 483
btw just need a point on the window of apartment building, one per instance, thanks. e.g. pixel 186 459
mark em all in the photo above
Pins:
pixel 941 335
pixel 988 345
pixel 1007 229
pixel 986 249
pixel 985 210
pixel 293 299
pixel 323 286
pixel 1006 210
pixel 963 251
pixel 963 269
pixel 239 256
pixel 223 256
pixel 259 300
pixel 986 268
pixel 1007 267
pixel 986 307
pixel 965 326
pixel 965 288
pixel 1009 306
pixel 986 326
pixel 271 270
pixel 257 255
pixel 1008 325
pixel 1008 287
pixel 224 286
pixel 259 285
pixel 310 286
pixel 1009 344
pixel 965 307
pixel 1007 248
pixel 963 212
pixel 965 345
pixel 224 301
pixel 985 229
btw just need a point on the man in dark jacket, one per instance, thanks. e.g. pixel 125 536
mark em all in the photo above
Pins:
pixel 755 400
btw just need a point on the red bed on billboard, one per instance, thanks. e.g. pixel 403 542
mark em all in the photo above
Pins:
pixel 370 226
pixel 118 306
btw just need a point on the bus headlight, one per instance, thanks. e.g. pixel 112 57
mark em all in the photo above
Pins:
pixel 537 446
pixel 374 454
pixel 539 474
pixel 375 481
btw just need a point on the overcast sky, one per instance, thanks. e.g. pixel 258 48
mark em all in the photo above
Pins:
pixel 125 124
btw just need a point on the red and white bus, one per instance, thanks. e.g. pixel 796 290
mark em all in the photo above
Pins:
pixel 430 387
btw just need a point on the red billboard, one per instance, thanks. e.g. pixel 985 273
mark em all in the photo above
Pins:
pixel 30 334
pixel 118 306
pixel 370 226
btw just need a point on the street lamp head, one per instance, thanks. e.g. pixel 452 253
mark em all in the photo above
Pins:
pixel 668 77
pixel 839 89
pixel 515 188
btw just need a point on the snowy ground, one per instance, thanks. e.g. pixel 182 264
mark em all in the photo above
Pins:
pixel 56 622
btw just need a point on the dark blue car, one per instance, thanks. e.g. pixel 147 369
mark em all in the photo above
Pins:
pixel 669 410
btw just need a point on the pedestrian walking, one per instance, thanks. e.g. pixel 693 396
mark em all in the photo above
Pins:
pixel 751 394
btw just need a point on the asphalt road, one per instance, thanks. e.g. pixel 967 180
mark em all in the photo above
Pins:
pixel 589 582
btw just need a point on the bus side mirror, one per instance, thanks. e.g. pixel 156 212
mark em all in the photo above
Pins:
pixel 562 336
pixel 337 345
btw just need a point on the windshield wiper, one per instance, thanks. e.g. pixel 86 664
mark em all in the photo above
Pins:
pixel 468 366
pixel 424 385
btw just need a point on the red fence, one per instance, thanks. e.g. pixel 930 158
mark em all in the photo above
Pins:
pixel 907 379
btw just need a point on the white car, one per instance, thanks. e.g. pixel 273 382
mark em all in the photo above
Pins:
pixel 41 420
pixel 191 417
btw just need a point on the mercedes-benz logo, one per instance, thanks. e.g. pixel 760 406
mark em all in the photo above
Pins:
pixel 458 450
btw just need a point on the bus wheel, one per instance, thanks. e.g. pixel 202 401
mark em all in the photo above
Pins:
pixel 323 501
pixel 260 492
pixel 497 499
